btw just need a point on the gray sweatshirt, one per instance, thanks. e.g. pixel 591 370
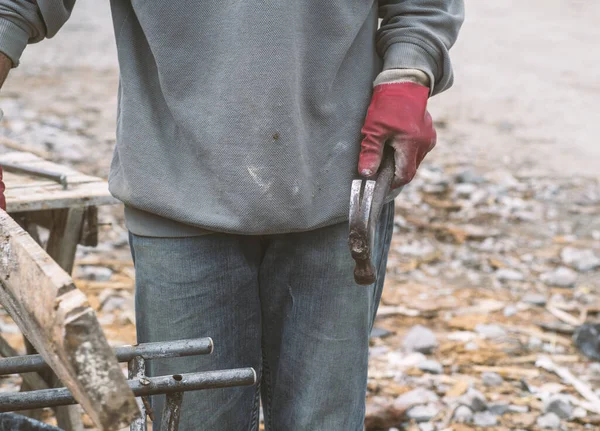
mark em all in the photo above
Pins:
pixel 244 116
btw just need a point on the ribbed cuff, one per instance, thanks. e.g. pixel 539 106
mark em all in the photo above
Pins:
pixel 393 76
pixel 407 55
pixel 13 40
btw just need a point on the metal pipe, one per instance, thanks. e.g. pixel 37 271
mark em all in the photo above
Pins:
pixel 13 422
pixel 172 412
pixel 163 349
pixel 166 349
pixel 58 177
pixel 137 370
pixel 146 386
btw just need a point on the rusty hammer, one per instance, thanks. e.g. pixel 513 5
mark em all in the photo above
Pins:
pixel 366 202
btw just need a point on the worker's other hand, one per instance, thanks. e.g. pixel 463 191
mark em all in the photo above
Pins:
pixel 397 116
pixel 2 188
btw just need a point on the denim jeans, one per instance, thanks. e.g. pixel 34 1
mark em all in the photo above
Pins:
pixel 286 305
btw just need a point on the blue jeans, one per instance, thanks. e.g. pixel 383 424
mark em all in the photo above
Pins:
pixel 286 305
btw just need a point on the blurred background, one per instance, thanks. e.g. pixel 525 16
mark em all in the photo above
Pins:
pixel 495 258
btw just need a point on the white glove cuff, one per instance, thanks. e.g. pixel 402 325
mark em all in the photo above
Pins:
pixel 392 76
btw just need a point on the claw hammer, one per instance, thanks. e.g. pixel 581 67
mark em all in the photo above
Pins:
pixel 366 202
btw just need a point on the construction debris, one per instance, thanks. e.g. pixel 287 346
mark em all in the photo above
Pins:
pixel 494 304
pixel 455 344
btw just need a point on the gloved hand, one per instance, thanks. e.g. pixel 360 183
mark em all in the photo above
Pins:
pixel 2 188
pixel 397 116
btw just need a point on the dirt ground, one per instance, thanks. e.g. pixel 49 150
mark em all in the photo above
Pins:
pixel 497 241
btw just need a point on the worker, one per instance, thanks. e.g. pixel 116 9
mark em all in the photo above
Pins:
pixel 240 126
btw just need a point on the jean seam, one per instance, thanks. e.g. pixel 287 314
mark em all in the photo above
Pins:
pixel 267 387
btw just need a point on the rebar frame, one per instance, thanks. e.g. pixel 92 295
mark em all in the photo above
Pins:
pixel 173 386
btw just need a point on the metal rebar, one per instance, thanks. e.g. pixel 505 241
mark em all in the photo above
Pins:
pixel 58 177
pixel 145 386
pixel 172 412
pixel 148 407
pixel 137 370
pixel 14 422
pixel 163 349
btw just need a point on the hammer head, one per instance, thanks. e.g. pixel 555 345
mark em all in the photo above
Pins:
pixel 366 202
pixel 360 248
pixel 360 239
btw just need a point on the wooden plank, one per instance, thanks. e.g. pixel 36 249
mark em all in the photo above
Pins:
pixel 56 317
pixel 30 160
pixel 24 181
pixel 89 232
pixel 65 233
pixel 67 417
pixel 53 197
pixel 46 219
pixel 64 236
pixel 29 193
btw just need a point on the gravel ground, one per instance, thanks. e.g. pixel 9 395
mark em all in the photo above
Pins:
pixel 497 249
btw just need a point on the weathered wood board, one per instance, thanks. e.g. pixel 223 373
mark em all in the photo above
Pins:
pixel 56 317
pixel 30 193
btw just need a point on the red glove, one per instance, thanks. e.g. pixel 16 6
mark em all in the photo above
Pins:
pixel 2 188
pixel 397 115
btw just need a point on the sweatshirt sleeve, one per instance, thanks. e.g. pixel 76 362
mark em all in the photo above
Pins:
pixel 417 34
pixel 29 21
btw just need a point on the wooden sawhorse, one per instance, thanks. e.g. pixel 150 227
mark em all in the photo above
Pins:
pixel 70 215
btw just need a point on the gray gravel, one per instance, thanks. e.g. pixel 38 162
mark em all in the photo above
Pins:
pixel 509 275
pixel 431 366
pixel 560 405
pixel 491 379
pixel 490 331
pixel 463 414
pixel 485 419
pixel 537 299
pixel 420 339
pixel 498 408
pixel 474 399
pixel 423 413
pixel 548 421
pixel 581 259
pixel 560 277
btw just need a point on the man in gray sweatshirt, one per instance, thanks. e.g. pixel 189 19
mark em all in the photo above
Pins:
pixel 239 129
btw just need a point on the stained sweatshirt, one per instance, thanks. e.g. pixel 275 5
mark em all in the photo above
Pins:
pixel 244 116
